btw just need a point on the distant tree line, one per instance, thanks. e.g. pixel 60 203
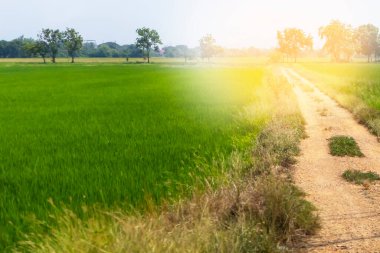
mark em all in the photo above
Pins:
pixel 54 43
pixel 111 49
pixel 50 42
pixel 342 42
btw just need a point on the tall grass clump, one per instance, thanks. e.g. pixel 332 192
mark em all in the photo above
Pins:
pixel 251 207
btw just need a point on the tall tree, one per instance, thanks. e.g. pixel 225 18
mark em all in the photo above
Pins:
pixel 53 38
pixel 367 38
pixel 147 40
pixel 208 46
pixel 292 41
pixel 340 40
pixel 73 42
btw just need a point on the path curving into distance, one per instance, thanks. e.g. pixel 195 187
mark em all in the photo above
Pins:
pixel 350 214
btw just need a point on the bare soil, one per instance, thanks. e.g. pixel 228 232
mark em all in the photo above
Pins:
pixel 350 214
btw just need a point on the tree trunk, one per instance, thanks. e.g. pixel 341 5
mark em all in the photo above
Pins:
pixel 72 59
pixel 53 58
pixel 43 57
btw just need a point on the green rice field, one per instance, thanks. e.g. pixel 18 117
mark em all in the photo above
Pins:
pixel 110 135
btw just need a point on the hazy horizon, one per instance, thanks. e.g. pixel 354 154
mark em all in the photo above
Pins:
pixel 234 24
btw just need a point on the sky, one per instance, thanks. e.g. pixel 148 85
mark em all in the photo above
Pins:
pixel 233 23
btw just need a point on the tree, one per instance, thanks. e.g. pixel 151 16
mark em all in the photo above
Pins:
pixel 14 48
pixel 183 51
pixel 125 53
pixel 367 38
pixel 132 51
pixel 147 40
pixel 208 47
pixel 179 51
pixel 53 38
pixel 37 48
pixel 340 40
pixel 292 41
pixel 73 42
pixel 88 49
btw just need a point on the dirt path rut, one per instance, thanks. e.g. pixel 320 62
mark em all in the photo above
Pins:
pixel 350 214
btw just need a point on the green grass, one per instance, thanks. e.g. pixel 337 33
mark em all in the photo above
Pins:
pixel 128 136
pixel 359 177
pixel 344 146
pixel 356 86
pixel 253 210
pixel 356 79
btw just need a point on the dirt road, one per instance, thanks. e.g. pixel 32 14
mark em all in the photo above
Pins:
pixel 350 214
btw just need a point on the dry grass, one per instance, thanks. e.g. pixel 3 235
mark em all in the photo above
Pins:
pixel 249 214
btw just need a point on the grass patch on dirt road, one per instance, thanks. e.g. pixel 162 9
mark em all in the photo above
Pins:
pixel 359 177
pixel 344 146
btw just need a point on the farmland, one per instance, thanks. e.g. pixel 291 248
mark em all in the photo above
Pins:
pixel 158 140
pixel 111 135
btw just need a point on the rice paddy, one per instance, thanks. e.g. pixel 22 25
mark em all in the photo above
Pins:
pixel 128 136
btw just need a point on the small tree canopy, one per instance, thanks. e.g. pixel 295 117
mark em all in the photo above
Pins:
pixel 53 38
pixel 339 40
pixel 367 40
pixel 38 47
pixel 208 46
pixel 147 40
pixel 73 42
pixel 292 41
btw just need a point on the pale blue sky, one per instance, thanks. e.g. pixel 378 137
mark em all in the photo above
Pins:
pixel 234 23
